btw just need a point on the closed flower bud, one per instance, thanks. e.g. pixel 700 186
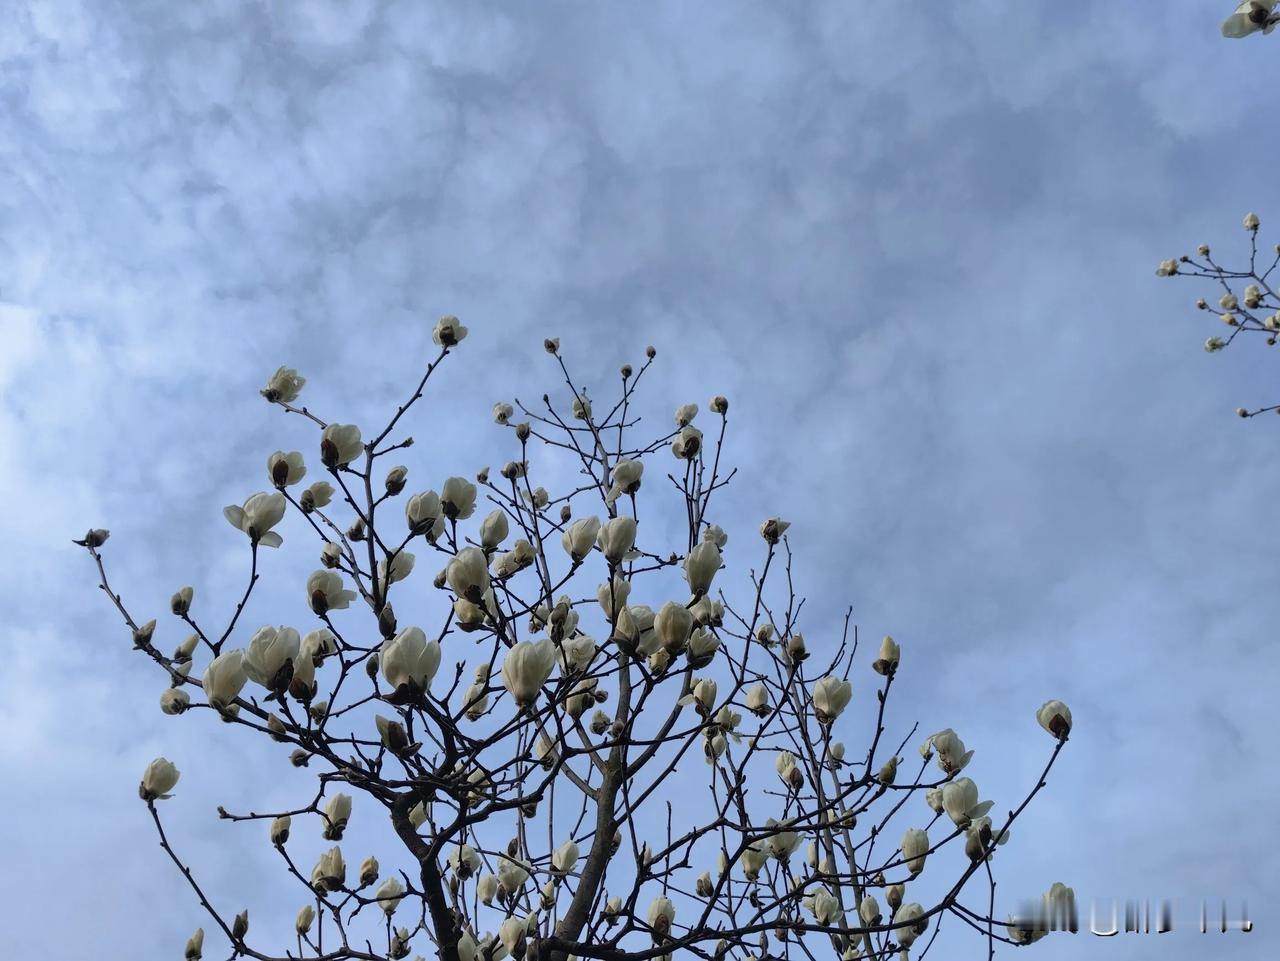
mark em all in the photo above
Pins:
pixel 700 566
pixel 758 700
pixel 887 660
pixel 330 872
pixel 158 780
pixel 180 603
pixel 907 935
pixel 915 845
pixel 448 332
pixel 494 529
pixel 392 733
pixel 280 830
pixel 581 408
pixel 704 887
pixel 464 861
pixel 719 404
pixel 224 678
pixel 784 843
pixel 1167 268
pixel 551 345
pixel 336 813
pixel 458 498
pixel 174 700
pixel 486 888
pixel 869 911
pixel 142 635
pixel 616 539
pixel 888 772
pixel 626 479
pixel 299 757
pixel 831 696
pixel 613 595
pixel 1251 221
pixel 418 815
pixel 565 858
pixel 672 625
pixel 195 946
pixel 1055 717
pixel 184 650
pixel 685 414
pixel 580 537
pixel 512 874
pixel 599 722
pixel 468 574
pixel 302 923
pixel 475 701
pixel 933 798
pixel 795 651
pixel 240 926
pixel 837 750
pixel 824 906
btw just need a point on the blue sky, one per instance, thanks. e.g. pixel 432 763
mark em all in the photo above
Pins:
pixel 914 249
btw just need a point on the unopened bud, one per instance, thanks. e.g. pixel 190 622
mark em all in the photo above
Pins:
pixel 387 622
pixel 394 483
pixel 180 603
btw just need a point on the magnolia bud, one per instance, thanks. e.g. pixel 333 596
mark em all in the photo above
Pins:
pixel 180 603
pixel 887 660
pixel 280 830
pixel 158 780
pixel 299 758
pixel 448 332
pixel 888 772
pixel 565 514
pixel 142 635
pixel 1055 717
pixel 195 946
pixel 394 483
pixel 1251 221
pixel 551 345
pixel 96 537
pixel 356 531
pixel 240 926
pixel 174 700
pixel 719 404
pixel 302 924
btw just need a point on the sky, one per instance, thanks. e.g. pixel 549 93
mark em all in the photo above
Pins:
pixel 913 244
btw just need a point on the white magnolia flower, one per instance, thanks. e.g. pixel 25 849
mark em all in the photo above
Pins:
pixel 700 566
pixel 268 653
pixel 330 872
pixel 464 861
pixel 224 678
pixel 318 494
pixel 195 946
pixel 906 936
pixel 758 700
pixel 783 844
pixel 325 592
pixel 486 888
pixel 687 443
pixel 672 625
pixel 502 413
pixel 410 660
pixel 468 574
pixel 306 916
pixel 960 801
pixel 458 498
pixel 1167 268
pixel 511 932
pixel 526 667
pixel 716 535
pixel 576 653
pixel 626 479
pixel 389 895
pixel 423 511
pixel 831 696
pixel 280 829
pixel 702 648
pixel 260 513
pixel 685 414
pixel 773 529
pixel 337 812
pixel 915 846
pixel 754 858
pixel 581 407
pixel 952 756
pixel 662 913
pixel 824 907
pixel 1251 221
pixel 401 567
pixel 158 780
pixel 886 661
pixel 512 874
pixel 869 911
pixel 284 386
pixel 494 529
pixel 285 470
pixel 580 537
pixel 174 700
pixel 616 538
pixel 448 332
pixel 340 444
pixel 565 858
pixel 1055 717
pixel 613 595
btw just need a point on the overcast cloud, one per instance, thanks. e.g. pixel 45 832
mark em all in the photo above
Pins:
pixel 915 249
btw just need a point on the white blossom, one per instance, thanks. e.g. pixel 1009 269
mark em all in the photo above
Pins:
pixel 284 386
pixel 672 625
pixel 1055 717
pixel 158 780
pixel 526 667
pixel 626 479
pixel 423 511
pixel 502 413
pixel 389 895
pixel 565 858
pixel 494 529
pixel 330 872
pixel 580 537
pixel 285 470
pixel 340 444
pixel 685 414
pixel 831 696
pixel 448 332
pixel 325 592
pixel 409 659
pixel 906 936
pixel 270 650
pixel 468 574
pixel 174 700
pixel 224 678
pixel 915 846
pixel 616 538
pixel 337 812
pixel 458 498
pixel 687 443
pixel 662 913
pixel 260 513
pixel 401 567
pixel 700 566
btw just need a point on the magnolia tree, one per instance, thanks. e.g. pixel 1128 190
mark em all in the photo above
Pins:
pixel 593 745
pixel 1244 297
